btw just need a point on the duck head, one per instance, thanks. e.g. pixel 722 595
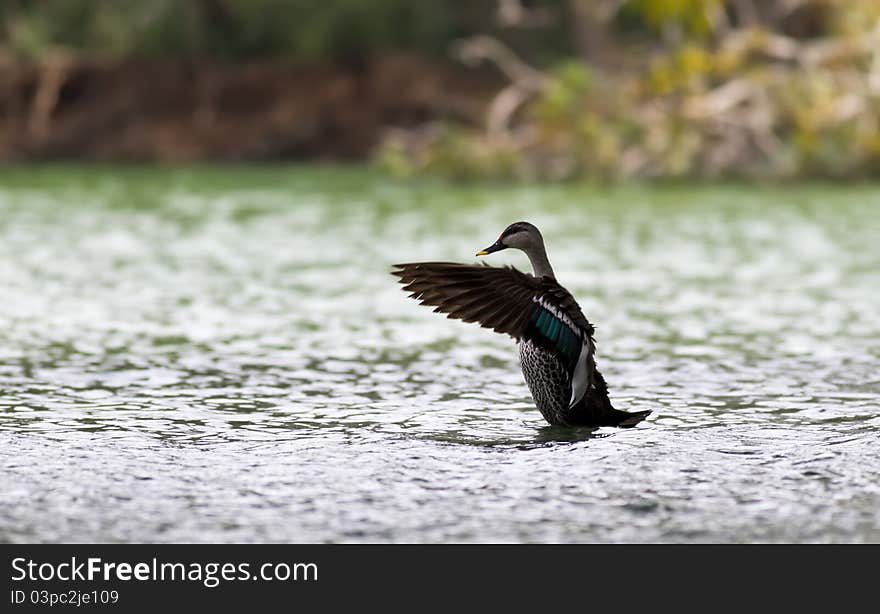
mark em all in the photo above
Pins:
pixel 527 238
pixel 519 235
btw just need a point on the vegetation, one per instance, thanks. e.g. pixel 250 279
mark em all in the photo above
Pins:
pixel 678 88
pixel 611 88
pixel 236 29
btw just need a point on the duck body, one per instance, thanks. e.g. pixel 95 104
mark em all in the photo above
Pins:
pixel 549 382
pixel 556 345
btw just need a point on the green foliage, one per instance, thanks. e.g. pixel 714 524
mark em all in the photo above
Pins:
pixel 232 29
pixel 449 151
pixel 725 102
pixel 683 87
pixel 694 16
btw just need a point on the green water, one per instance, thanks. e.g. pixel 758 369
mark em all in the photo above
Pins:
pixel 220 354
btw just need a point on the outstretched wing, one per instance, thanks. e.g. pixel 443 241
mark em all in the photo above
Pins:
pixel 496 298
pixel 508 301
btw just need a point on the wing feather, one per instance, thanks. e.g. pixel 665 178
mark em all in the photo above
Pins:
pixel 496 298
pixel 511 302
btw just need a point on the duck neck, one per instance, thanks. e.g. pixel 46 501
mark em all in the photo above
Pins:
pixel 540 263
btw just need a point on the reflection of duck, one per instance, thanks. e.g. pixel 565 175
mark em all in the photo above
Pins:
pixel 556 343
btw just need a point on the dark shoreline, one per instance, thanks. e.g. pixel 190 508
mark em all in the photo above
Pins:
pixel 190 111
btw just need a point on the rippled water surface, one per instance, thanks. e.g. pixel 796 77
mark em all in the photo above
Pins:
pixel 221 355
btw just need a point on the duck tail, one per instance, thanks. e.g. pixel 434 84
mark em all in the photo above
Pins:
pixel 600 412
pixel 626 419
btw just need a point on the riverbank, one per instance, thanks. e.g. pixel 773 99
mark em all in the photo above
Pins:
pixel 72 108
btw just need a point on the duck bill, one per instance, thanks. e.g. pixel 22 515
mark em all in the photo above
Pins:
pixel 495 247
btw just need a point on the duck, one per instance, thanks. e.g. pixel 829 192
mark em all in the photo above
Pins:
pixel 556 341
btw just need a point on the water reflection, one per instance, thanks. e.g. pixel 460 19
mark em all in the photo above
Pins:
pixel 553 434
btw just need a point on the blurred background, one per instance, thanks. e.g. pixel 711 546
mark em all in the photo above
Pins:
pixel 549 89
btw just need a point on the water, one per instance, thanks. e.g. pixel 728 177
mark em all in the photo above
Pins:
pixel 220 355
